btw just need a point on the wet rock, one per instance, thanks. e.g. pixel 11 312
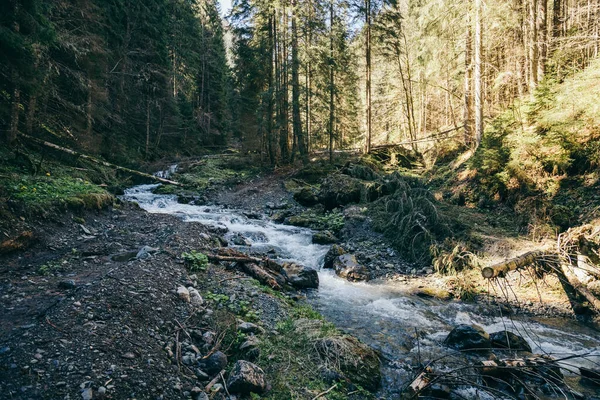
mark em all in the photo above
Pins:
pixel 101 391
pixel 346 266
pixel 183 293
pixel 334 252
pixel 306 197
pixel 509 340
pixel 215 363
pixel 324 237
pixel 468 337
pixel 68 284
pixel 239 240
pixel 247 378
pixel 300 276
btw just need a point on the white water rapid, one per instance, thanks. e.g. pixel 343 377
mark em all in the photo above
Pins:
pixel 382 315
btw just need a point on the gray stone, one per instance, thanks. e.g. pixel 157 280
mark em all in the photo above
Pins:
pixel 145 252
pixel 195 297
pixel 68 284
pixel 324 237
pixel 215 363
pixel 300 276
pixel 249 327
pixel 247 378
pixel 468 337
pixel 183 293
pixel 509 340
pixel 87 394
pixel 334 252
pixel 346 266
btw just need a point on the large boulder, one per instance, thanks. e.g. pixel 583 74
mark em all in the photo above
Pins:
pixel 300 276
pixel 347 267
pixel 334 252
pixel 247 378
pixel 324 237
pixel 468 337
pixel 338 190
pixel 509 340
pixel 306 197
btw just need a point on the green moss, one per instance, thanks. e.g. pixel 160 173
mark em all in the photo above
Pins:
pixel 332 221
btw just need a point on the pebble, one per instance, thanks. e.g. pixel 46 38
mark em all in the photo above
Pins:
pixel 101 390
pixel 183 293
pixel 68 284
pixel 128 355
pixel 87 394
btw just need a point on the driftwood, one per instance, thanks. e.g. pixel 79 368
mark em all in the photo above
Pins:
pixel 501 269
pixel 261 274
pixel 264 270
pixel 100 162
pixel 536 365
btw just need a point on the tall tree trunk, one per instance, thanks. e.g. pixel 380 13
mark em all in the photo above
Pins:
pixel 533 46
pixel 269 116
pixel 14 112
pixel 296 121
pixel 89 108
pixel 543 35
pixel 147 128
pixel 368 72
pixel 331 84
pixel 556 19
pixel 478 86
pixel 468 113
pixel 284 121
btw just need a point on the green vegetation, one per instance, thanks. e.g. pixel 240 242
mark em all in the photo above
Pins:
pixel 195 260
pixel 320 220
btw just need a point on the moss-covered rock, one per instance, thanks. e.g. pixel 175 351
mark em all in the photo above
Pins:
pixel 306 196
pixel 338 190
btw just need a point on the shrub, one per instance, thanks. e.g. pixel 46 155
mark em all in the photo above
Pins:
pixel 195 260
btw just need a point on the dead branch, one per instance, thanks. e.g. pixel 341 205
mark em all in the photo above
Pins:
pixel 578 286
pixel 100 162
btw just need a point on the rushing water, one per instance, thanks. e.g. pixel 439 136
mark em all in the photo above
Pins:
pixel 383 315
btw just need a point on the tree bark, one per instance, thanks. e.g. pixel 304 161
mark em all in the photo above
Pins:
pixel 467 115
pixel 368 72
pixel 331 83
pixel 296 121
pixel 478 83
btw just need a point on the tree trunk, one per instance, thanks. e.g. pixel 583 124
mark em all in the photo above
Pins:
pixel 478 86
pixel 533 46
pixel 368 72
pixel 331 83
pixel 147 128
pixel 467 115
pixel 543 35
pixel 556 16
pixel 296 121
pixel 14 114
pixel 269 116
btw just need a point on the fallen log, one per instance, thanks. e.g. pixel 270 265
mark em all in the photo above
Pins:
pixel 100 162
pixel 501 269
pixel 230 255
pixel 264 270
pixel 579 287
pixel 261 275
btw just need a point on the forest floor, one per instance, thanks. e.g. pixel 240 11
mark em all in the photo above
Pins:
pixel 83 314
